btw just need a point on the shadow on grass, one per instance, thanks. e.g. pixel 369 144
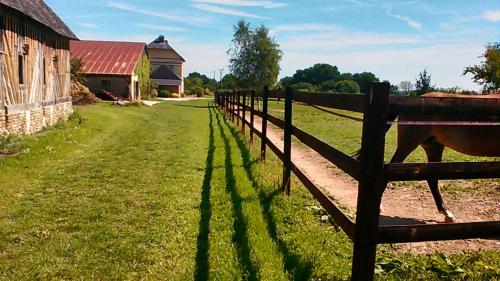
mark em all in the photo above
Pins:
pixel 196 106
pixel 240 223
pixel 295 265
pixel 202 256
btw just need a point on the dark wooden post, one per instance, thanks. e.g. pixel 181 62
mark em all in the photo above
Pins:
pixel 244 112
pixel 226 104
pixel 252 108
pixel 287 141
pixel 238 107
pixel 233 94
pixel 265 97
pixel 371 182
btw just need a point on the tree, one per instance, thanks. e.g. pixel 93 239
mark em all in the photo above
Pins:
pixel 76 66
pixel 229 81
pixel 317 74
pixel 423 83
pixel 405 87
pixel 207 82
pixel 488 73
pixel 254 56
pixel 347 86
pixel 285 82
pixel 328 86
pixel 364 80
pixel 304 86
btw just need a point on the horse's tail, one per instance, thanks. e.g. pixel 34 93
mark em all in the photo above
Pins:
pixel 390 120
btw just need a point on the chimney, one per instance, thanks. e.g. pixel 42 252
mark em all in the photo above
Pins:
pixel 161 39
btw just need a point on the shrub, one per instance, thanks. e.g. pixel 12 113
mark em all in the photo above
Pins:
pixel 304 86
pixel 197 91
pixel 164 93
pixel 76 65
pixel 328 86
pixel 347 86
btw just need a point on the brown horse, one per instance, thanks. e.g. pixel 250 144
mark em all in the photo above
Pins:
pixel 467 139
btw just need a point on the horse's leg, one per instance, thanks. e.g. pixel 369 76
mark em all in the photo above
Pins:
pixel 434 151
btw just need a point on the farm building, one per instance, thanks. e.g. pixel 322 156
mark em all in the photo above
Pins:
pixel 167 66
pixel 34 67
pixel 121 68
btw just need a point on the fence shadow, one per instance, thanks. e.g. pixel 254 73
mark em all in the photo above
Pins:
pixel 203 244
pixel 240 223
pixel 294 264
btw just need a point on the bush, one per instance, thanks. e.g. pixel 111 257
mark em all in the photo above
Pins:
pixel 347 86
pixel 304 86
pixel 328 86
pixel 164 93
pixel 197 91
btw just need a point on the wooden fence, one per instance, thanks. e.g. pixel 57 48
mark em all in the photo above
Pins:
pixel 370 170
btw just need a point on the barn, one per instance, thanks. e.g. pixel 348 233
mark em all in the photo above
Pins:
pixel 167 66
pixel 120 68
pixel 34 67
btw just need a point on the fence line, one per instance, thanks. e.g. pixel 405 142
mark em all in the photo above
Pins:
pixel 370 170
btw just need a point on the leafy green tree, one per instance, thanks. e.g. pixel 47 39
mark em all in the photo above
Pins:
pixel 206 81
pixel 229 81
pixel 304 86
pixel 76 65
pixel 488 73
pixel 317 74
pixel 328 86
pixel 363 79
pixel 345 76
pixel 285 82
pixel 423 83
pixel 347 86
pixel 254 56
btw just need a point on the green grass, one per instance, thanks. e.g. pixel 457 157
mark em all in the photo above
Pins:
pixel 172 193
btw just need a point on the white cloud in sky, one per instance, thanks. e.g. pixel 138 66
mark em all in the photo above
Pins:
pixel 412 23
pixel 225 11
pixel 165 15
pixel 88 25
pixel 303 27
pixel 161 27
pixel 245 3
pixel 492 15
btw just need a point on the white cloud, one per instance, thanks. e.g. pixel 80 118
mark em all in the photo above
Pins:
pixel 161 27
pixel 412 23
pixel 304 27
pixel 245 3
pixel 492 15
pixel 224 11
pixel 170 16
pixel 88 25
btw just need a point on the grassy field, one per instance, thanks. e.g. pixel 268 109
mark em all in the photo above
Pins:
pixel 173 193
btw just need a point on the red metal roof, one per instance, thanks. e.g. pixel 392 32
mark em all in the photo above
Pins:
pixel 107 57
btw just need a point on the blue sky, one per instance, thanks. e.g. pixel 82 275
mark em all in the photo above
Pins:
pixel 393 39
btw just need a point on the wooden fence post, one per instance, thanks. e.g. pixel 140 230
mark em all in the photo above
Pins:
pixel 244 111
pixel 252 108
pixel 287 140
pixel 265 98
pixel 371 182
pixel 238 108
pixel 233 95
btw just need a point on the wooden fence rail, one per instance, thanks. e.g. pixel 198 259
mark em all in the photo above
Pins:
pixel 370 170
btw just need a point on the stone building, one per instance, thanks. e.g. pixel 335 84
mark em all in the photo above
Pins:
pixel 34 67
pixel 167 66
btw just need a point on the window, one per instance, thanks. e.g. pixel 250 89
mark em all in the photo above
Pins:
pixel 106 85
pixel 21 69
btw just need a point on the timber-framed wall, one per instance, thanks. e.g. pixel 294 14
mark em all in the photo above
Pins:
pixel 34 74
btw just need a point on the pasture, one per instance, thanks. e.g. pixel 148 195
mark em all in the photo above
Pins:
pixel 173 193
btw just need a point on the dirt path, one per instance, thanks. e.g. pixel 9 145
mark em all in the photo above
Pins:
pixel 402 205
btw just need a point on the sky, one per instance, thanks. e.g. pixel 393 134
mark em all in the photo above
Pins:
pixel 395 39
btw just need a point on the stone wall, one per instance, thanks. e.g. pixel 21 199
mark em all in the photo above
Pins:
pixel 32 118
